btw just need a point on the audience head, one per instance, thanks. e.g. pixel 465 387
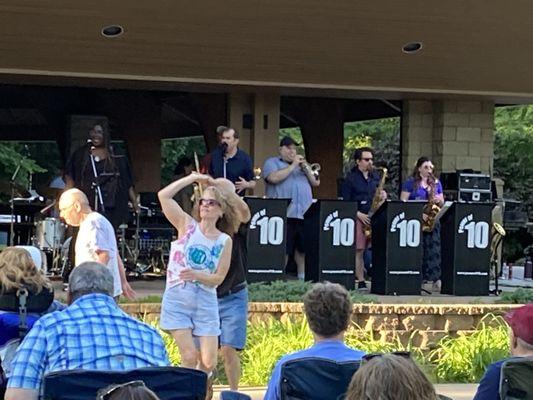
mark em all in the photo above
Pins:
pixel 390 377
pixel 18 268
pixel 134 390
pixel 520 321
pixel 73 203
pixel 328 309
pixel 89 277
pixel 217 203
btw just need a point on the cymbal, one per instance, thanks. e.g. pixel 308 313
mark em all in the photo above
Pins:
pixel 20 191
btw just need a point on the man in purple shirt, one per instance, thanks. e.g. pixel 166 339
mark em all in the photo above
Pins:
pixel 328 309
pixel 521 323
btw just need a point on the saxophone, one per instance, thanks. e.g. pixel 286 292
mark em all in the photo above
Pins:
pixel 431 209
pixel 376 201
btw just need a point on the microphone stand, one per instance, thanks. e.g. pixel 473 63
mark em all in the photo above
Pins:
pixel 98 199
pixel 12 202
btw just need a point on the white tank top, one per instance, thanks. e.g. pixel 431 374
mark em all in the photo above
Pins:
pixel 194 250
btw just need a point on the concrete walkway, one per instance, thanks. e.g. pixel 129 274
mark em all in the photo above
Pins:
pixel 456 391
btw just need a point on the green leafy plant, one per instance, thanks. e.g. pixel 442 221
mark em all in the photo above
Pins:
pixel 518 296
pixel 465 358
pixel 292 291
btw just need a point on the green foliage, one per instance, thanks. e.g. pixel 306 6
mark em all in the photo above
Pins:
pixel 518 296
pixel 383 135
pixel 267 342
pixel 456 359
pixel 465 358
pixel 173 149
pixel 11 153
pixel 292 291
pixel 513 149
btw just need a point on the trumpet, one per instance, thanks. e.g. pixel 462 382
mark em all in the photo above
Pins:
pixel 257 173
pixel 314 168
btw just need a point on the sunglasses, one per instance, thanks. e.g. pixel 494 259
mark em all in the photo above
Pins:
pixel 107 394
pixel 368 357
pixel 367 159
pixel 209 202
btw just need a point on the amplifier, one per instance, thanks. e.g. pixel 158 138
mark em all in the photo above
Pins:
pixel 468 181
pixel 472 195
pixel 474 182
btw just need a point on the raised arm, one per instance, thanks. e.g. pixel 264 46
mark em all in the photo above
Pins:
pixel 172 210
pixel 281 174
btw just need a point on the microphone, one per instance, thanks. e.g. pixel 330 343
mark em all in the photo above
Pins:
pixel 224 147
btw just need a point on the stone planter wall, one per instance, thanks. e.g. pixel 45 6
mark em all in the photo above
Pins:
pixel 423 325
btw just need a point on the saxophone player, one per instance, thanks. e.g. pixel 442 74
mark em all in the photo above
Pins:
pixel 423 185
pixel 360 185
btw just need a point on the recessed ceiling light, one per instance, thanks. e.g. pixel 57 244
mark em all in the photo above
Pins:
pixel 412 47
pixel 112 31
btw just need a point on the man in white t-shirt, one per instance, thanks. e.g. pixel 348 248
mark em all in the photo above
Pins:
pixel 96 239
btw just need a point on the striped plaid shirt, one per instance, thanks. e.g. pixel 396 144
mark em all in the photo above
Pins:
pixel 92 333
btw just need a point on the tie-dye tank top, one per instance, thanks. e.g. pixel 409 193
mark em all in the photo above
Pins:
pixel 194 250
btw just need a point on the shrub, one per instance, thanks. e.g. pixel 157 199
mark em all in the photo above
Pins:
pixel 292 291
pixel 519 296
pixel 465 358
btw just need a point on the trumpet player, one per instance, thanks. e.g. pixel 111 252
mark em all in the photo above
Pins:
pixel 290 176
pixel 360 185
pixel 423 185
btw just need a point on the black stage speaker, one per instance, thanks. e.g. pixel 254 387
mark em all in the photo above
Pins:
pixel 465 243
pixel 266 239
pixel 397 248
pixel 330 242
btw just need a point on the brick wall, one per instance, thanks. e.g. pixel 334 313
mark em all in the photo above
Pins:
pixel 455 134
pixel 423 325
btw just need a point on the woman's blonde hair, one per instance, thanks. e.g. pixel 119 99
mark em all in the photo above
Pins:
pixel 390 377
pixel 17 269
pixel 229 222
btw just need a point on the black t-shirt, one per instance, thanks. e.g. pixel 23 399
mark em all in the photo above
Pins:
pixel 237 273
pixel 115 179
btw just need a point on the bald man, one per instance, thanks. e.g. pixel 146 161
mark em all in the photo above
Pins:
pixel 96 239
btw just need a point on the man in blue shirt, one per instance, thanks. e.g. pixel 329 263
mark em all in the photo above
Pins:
pixel 232 163
pixel 360 185
pixel 92 333
pixel 288 176
pixel 328 309
pixel 521 324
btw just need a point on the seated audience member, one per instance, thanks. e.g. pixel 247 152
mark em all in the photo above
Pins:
pixel 20 268
pixel 91 333
pixel 328 309
pixel 134 390
pixel 520 321
pixel 390 377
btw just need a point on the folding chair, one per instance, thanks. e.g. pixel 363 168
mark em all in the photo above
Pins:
pixel 313 378
pixel 169 383
pixel 516 379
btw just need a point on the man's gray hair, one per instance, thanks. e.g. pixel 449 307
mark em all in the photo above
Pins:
pixel 90 277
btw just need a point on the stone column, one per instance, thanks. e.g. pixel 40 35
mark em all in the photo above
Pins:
pixel 454 134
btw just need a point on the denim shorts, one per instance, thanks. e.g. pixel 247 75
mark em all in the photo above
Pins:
pixel 233 310
pixel 188 306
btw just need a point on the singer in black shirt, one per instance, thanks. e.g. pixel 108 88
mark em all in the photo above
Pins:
pixel 114 177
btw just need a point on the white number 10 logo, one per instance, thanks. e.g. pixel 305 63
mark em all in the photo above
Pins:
pixel 343 229
pixel 477 233
pixel 270 228
pixel 409 230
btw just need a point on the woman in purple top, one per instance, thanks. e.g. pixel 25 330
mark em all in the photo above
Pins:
pixel 419 186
